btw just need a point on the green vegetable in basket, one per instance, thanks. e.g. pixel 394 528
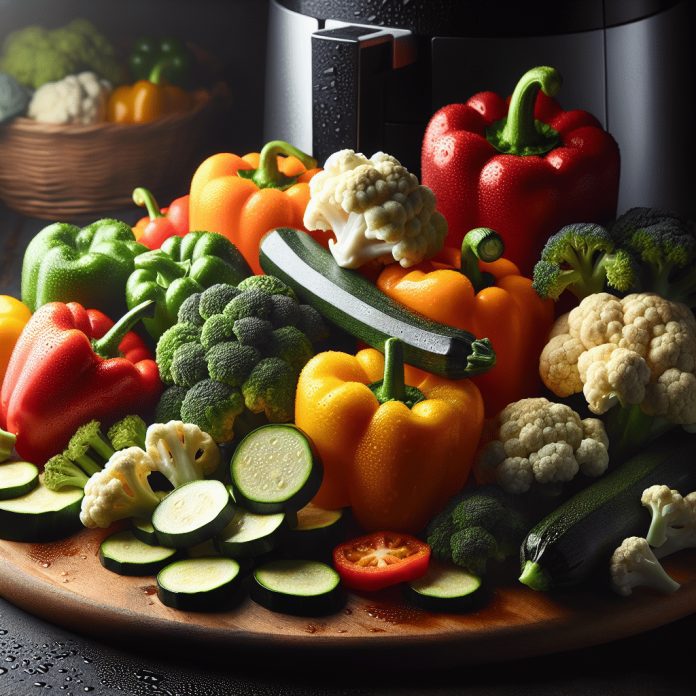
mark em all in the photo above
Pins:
pixel 14 98
pixel 180 268
pixel 64 263
pixel 148 52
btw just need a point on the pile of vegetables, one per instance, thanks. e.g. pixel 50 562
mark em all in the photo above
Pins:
pixel 315 378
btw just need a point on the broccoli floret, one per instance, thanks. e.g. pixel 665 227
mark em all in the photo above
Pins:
pixel 60 472
pixel 291 345
pixel 231 362
pixel 665 246
pixel 169 405
pixel 584 259
pixel 268 284
pixel 217 329
pixel 284 312
pixel 128 432
pixel 189 310
pixel 472 547
pixel 215 298
pixel 88 448
pixel 270 388
pixel 213 407
pixel 250 303
pixel 189 365
pixel 311 324
pixel 438 538
pixel 251 331
pixel 167 344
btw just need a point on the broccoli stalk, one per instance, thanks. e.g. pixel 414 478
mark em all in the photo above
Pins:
pixel 88 448
pixel 584 259
pixel 128 432
pixel 60 472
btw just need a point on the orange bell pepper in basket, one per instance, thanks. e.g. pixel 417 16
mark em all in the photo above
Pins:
pixel 481 292
pixel 242 198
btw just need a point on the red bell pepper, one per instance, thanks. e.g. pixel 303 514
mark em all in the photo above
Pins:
pixel 69 366
pixel 525 171
pixel 160 224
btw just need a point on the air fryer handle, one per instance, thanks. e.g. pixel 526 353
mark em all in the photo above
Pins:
pixel 349 66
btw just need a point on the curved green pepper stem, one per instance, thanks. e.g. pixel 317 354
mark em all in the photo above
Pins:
pixel 107 345
pixel 144 199
pixel 268 175
pixel 519 133
pixel 156 76
pixel 480 244
pixel 392 387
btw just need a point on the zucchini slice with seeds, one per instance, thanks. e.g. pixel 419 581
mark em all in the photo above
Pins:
pixel 446 588
pixel 249 535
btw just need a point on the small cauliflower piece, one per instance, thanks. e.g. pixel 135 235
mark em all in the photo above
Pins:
pixel 119 490
pixel 673 519
pixel 633 564
pixel 76 99
pixel 376 209
pixel 181 451
pixel 540 442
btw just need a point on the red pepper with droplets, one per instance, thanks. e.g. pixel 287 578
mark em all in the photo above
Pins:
pixel 72 365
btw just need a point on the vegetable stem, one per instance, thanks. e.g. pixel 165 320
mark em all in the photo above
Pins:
pixel 107 345
pixel 393 387
pixel 534 577
pixel 268 175
pixel 144 199
pixel 480 244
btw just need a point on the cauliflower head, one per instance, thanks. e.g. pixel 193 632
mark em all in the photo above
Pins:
pixel 639 350
pixel 376 209
pixel 633 564
pixel 540 442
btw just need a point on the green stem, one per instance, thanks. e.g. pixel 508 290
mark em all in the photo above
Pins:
pixel 107 345
pixel 393 387
pixel 519 133
pixel 7 443
pixel 480 244
pixel 155 75
pixel 268 175
pixel 534 576
pixel 144 199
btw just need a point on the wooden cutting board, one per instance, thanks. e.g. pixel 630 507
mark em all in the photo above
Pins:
pixel 64 582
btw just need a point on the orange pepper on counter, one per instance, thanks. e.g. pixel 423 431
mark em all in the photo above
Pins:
pixel 394 453
pixel 481 292
pixel 13 317
pixel 242 198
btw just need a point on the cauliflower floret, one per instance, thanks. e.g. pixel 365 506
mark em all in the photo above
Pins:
pixel 76 99
pixel 673 519
pixel 633 564
pixel 376 209
pixel 537 441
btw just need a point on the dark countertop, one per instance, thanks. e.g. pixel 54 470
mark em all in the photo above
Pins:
pixel 36 655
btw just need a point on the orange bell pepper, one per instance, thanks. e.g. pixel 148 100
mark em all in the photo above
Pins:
pixel 13 317
pixel 394 453
pixel 481 292
pixel 242 198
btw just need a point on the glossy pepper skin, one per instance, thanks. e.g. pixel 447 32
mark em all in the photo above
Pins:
pixel 13 318
pixel 479 291
pixel 525 171
pixel 159 225
pixel 64 263
pixel 245 197
pixel 181 267
pixel 148 52
pixel 69 366
pixel 395 464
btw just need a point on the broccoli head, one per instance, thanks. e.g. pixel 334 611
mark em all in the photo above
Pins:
pixel 169 406
pixel 88 448
pixel 218 328
pixel 472 547
pixel 270 389
pixel 290 344
pixel 167 344
pixel 252 331
pixel 584 259
pixel 189 311
pixel 284 311
pixel 311 324
pixel 268 284
pixel 60 472
pixel 215 298
pixel 189 365
pixel 213 407
pixel 231 362
pixel 128 432
pixel 249 303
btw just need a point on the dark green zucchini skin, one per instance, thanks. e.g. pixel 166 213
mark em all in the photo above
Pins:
pixel 355 305
pixel 574 540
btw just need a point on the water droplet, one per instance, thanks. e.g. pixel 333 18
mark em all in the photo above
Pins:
pixel 88 688
pixel 46 564
pixel 3 670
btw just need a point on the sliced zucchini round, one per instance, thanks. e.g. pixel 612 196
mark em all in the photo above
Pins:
pixel 192 513
pixel 143 530
pixel 41 515
pixel 17 479
pixel 125 554
pixel 200 584
pixel 275 469
pixel 316 533
pixel 446 588
pixel 302 588
pixel 249 535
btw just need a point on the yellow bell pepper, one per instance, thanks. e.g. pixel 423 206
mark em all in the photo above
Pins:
pixel 394 453
pixel 13 316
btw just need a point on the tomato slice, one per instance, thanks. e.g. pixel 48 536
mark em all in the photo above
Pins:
pixel 380 559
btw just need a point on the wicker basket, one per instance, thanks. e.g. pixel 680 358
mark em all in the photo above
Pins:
pixel 55 171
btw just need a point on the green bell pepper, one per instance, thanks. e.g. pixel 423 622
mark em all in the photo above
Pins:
pixel 172 53
pixel 181 267
pixel 64 263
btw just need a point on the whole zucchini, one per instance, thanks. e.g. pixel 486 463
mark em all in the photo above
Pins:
pixel 354 304
pixel 570 543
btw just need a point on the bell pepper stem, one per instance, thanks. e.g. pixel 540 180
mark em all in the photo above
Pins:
pixel 162 264
pixel 480 244
pixel 107 345
pixel 144 199
pixel 393 386
pixel 268 175
pixel 155 75
pixel 519 133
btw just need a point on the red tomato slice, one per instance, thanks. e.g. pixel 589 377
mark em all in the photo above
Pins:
pixel 381 559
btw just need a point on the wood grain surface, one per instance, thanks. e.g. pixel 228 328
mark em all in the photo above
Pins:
pixel 65 583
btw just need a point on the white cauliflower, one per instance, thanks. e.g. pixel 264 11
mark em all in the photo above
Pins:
pixel 76 99
pixel 541 442
pixel 376 209
pixel 119 490
pixel 633 564
pixel 639 350
pixel 673 519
